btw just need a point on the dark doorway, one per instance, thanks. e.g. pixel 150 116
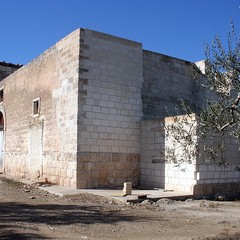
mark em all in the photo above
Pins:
pixel 1 140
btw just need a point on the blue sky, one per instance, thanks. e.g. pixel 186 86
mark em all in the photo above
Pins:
pixel 177 28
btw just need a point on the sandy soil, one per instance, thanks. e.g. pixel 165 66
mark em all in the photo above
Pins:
pixel 27 212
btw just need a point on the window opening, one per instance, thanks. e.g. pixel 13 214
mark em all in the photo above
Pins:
pixel 36 106
pixel 1 95
pixel 1 122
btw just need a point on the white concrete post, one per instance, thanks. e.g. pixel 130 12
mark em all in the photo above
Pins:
pixel 127 188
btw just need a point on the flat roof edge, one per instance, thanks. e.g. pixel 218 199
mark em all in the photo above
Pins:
pixel 113 38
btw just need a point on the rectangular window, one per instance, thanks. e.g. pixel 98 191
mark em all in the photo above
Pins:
pixel 1 95
pixel 36 106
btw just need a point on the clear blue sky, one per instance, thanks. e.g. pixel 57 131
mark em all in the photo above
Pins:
pixel 177 28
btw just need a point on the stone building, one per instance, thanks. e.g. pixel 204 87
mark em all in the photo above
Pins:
pixel 82 115
pixel 5 70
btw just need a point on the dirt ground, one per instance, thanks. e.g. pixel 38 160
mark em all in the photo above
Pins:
pixel 27 212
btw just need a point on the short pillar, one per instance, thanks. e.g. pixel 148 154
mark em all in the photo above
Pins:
pixel 127 188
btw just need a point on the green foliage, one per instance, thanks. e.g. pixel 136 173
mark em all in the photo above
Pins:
pixel 223 80
pixel 219 118
pixel 181 139
pixel 221 115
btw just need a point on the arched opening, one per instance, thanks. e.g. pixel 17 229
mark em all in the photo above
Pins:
pixel 1 140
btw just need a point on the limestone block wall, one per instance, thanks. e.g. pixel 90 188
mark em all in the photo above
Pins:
pixel 180 153
pixel 197 177
pixel 156 169
pixel 152 154
pixel 180 177
pixel 110 110
pixel 167 81
pixel 40 105
pixel 215 179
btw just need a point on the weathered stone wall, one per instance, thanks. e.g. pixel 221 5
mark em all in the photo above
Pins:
pixel 180 177
pixel 198 176
pixel 212 179
pixel 110 110
pixel 152 153
pixel 44 144
pixel 180 153
pixel 88 89
pixel 167 81
pixel 158 171
pixel 209 173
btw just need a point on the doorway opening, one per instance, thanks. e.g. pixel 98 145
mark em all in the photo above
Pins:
pixel 1 140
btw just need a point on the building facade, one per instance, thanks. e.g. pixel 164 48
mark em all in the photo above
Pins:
pixel 7 68
pixel 81 113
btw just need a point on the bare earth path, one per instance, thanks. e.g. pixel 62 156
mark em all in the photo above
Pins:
pixel 27 212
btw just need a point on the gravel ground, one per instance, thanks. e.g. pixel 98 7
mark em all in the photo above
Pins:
pixel 27 212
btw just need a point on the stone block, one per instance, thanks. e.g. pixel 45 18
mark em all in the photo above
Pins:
pixel 211 168
pixel 230 175
pixel 103 174
pixel 103 149
pixel 236 174
pixel 217 175
pixel 127 188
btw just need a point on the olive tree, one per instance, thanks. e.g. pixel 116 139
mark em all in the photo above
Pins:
pixel 220 115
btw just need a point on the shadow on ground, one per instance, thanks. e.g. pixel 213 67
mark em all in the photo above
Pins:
pixel 56 214
pixel 18 218
pixel 14 235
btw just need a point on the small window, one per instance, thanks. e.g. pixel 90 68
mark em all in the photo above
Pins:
pixel 1 95
pixel 36 106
